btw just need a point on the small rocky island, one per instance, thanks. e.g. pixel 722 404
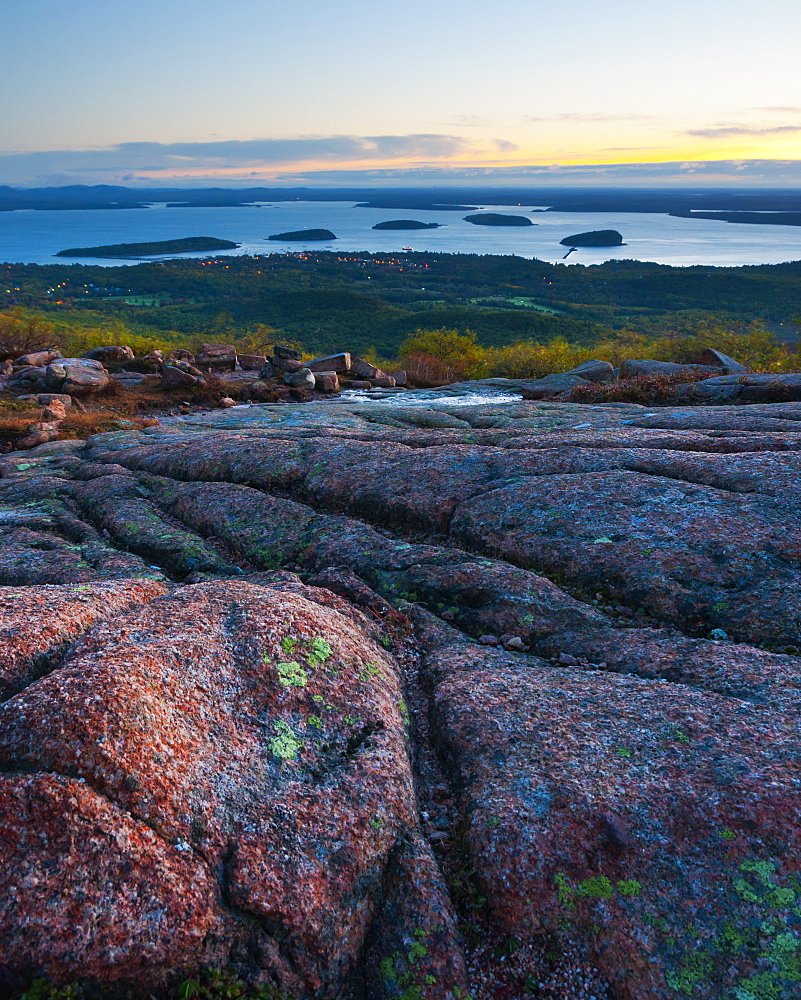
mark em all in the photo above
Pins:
pixel 596 238
pixel 496 219
pixel 191 244
pixel 304 235
pixel 406 224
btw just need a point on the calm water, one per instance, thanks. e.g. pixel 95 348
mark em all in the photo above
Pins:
pixel 34 237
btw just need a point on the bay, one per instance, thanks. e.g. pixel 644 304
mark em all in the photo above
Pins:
pixel 34 237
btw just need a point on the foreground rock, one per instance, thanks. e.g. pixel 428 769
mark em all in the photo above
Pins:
pixel 589 613
pixel 233 791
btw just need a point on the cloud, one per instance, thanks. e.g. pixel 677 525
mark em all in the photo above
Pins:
pixel 166 161
pixel 700 173
pixel 725 131
pixel 586 119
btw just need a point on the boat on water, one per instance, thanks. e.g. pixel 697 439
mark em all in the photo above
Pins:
pixel 407 248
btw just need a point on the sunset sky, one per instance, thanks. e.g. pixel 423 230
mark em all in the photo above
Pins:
pixel 351 91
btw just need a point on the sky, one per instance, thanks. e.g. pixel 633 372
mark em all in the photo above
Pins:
pixel 299 92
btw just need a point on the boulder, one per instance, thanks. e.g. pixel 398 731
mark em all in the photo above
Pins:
pixel 332 363
pixel 285 364
pixel 551 385
pixel 39 359
pixel 645 366
pixel 179 354
pixel 300 379
pixel 173 377
pixel 400 377
pixel 268 370
pixel 29 379
pixel 226 403
pixel 287 353
pixel 76 376
pixel 355 383
pixel 326 381
pixel 363 369
pixel 383 382
pixel 47 398
pixel 251 362
pixel 709 356
pixel 594 371
pixel 6 368
pixel 111 354
pixel 219 356
pixel 751 387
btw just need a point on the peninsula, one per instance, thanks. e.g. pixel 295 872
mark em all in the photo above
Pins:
pixel 191 244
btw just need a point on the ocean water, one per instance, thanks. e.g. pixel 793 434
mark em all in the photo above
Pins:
pixel 35 237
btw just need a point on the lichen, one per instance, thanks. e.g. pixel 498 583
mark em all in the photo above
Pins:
pixel 291 674
pixel 286 744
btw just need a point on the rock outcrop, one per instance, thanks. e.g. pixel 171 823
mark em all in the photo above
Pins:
pixel 352 697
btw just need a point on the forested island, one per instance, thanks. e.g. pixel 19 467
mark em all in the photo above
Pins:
pixel 304 235
pixel 191 244
pixel 406 224
pixel 496 219
pixel 596 238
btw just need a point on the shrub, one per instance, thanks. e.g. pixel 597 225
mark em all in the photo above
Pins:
pixel 21 334
pixel 646 389
pixel 437 357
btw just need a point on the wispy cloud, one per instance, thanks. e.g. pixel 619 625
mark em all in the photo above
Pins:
pixel 725 131
pixel 587 119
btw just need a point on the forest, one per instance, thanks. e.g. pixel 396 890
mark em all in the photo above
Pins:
pixel 326 301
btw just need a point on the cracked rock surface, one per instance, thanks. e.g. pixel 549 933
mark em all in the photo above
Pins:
pixel 246 719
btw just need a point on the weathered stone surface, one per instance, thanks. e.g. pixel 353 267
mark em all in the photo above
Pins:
pixel 300 379
pixel 76 376
pixel 39 359
pixel 28 379
pixel 551 385
pixel 180 354
pixel 173 377
pixel 251 362
pixel 37 624
pixel 111 354
pixel 331 363
pixel 632 369
pixel 657 822
pixel 621 767
pixel 221 357
pixel 288 353
pixel 594 371
pixel 363 369
pixel 244 772
pixel 710 356
pixel 326 381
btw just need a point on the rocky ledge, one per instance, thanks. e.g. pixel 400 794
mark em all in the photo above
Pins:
pixel 384 701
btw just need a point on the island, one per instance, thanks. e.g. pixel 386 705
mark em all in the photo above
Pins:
pixel 406 224
pixel 597 238
pixel 191 244
pixel 496 219
pixel 304 235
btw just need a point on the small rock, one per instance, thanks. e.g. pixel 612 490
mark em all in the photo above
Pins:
pixel 301 379
pixel 719 634
pixel 226 402
pixel 516 644
pixel 288 353
pixel 448 616
pixel 488 640
pixel 566 660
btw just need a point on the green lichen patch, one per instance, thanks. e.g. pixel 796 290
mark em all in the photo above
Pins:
pixel 291 674
pixel 286 744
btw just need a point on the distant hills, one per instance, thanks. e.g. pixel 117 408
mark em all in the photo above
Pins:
pixel 563 199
